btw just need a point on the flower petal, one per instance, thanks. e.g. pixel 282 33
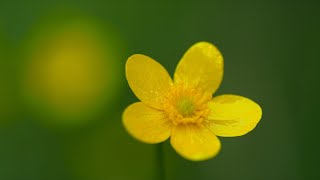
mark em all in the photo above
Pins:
pixel 149 81
pixel 194 142
pixel 201 67
pixel 146 124
pixel 232 115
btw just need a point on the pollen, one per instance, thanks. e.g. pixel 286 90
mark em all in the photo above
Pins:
pixel 186 105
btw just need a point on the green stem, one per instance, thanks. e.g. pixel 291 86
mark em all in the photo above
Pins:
pixel 160 160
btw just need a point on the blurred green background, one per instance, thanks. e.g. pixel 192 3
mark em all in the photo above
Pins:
pixel 63 89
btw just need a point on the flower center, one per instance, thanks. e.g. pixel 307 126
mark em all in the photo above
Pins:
pixel 186 105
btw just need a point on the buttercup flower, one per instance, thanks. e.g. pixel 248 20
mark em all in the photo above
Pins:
pixel 183 108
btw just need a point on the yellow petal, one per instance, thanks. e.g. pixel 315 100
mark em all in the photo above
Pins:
pixel 146 124
pixel 201 66
pixel 232 115
pixel 194 142
pixel 149 81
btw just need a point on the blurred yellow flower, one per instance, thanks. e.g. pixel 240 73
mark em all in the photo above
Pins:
pixel 70 73
pixel 183 108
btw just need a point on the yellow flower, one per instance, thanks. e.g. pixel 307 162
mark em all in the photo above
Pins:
pixel 183 108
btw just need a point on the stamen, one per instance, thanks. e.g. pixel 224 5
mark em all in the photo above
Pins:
pixel 186 105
